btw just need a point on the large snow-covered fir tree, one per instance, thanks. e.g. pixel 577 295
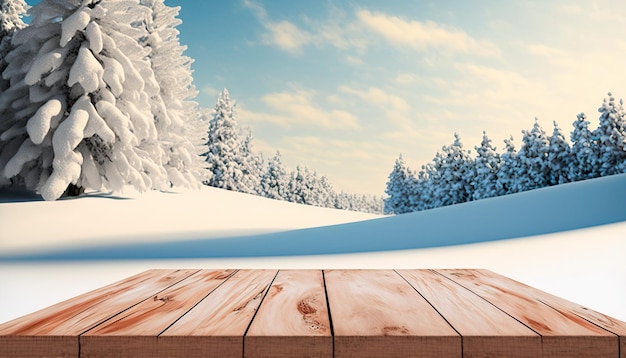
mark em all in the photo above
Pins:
pixel 174 110
pixel 610 137
pixel 11 13
pixel 226 157
pixel 486 166
pixel 78 108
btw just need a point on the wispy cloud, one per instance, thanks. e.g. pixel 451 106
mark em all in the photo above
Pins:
pixel 396 112
pixel 298 108
pixel 282 34
pixel 286 36
pixel 379 97
pixel 353 31
pixel 423 36
pixel 555 56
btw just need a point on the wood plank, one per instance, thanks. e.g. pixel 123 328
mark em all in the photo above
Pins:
pixel 135 330
pixel 293 319
pixel 564 334
pixel 218 323
pixel 486 330
pixel 64 321
pixel 608 323
pixel 377 313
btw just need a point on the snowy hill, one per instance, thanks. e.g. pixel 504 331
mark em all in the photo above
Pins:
pixel 567 240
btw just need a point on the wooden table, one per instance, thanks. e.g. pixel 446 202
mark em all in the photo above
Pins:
pixel 315 313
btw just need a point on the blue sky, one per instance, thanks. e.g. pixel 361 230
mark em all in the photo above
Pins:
pixel 345 86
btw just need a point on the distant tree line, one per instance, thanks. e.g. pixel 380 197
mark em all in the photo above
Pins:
pixel 454 176
pixel 232 164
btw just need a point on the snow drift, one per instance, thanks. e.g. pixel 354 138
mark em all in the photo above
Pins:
pixel 542 211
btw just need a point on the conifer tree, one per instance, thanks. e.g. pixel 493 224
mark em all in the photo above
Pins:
pixel 175 113
pixel 509 167
pixel 223 155
pixel 274 180
pixel 533 156
pixel 559 158
pixel 423 189
pixel 610 136
pixel 298 186
pixel 454 169
pixel 252 166
pixel 398 197
pixel 486 166
pixel 78 113
pixel 585 151
pixel 11 13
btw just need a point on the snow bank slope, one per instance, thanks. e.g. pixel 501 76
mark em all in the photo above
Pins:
pixel 28 224
pixel 548 210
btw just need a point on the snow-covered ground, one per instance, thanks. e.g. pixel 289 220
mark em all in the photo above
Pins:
pixel 568 240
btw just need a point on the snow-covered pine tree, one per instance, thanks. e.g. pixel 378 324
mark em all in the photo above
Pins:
pixel 324 194
pixel 342 201
pixel 252 166
pixel 486 166
pixel 11 13
pixel 585 152
pixel 175 113
pixel 78 106
pixel 298 186
pixel 274 181
pixel 509 167
pixel 610 136
pixel 372 204
pixel 559 157
pixel 398 191
pixel 454 169
pixel 423 189
pixel 533 156
pixel 224 159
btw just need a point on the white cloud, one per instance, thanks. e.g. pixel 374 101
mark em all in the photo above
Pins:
pixel 353 32
pixel 210 91
pixel 379 97
pixel 400 122
pixel 554 55
pixel 298 108
pixel 282 34
pixel 352 60
pixel 423 36
pixel 286 36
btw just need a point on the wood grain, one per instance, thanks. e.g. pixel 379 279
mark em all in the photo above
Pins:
pixel 486 330
pixel 376 313
pixel 315 313
pixel 564 334
pixel 608 323
pixel 64 321
pixel 293 319
pixel 221 319
pixel 146 320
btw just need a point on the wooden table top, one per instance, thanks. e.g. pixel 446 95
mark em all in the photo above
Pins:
pixel 315 313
